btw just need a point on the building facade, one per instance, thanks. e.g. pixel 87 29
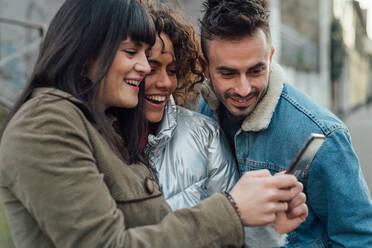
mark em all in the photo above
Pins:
pixel 301 34
pixel 354 87
pixel 300 41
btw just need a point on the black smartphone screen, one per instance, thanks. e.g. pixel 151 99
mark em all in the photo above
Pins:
pixel 305 155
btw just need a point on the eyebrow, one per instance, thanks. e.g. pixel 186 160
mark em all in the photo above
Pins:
pixel 136 43
pixel 256 66
pixel 155 62
pixel 226 68
pixel 158 63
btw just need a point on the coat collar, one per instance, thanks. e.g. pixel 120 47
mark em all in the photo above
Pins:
pixel 56 93
pixel 167 126
pixel 53 94
pixel 261 116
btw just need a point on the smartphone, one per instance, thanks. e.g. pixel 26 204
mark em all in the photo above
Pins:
pixel 301 162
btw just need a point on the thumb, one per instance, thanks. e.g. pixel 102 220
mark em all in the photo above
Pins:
pixel 280 173
pixel 258 173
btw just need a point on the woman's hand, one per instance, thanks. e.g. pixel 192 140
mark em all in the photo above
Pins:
pixel 260 196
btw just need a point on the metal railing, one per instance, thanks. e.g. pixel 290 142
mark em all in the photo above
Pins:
pixel 26 24
pixel 298 51
pixel 15 67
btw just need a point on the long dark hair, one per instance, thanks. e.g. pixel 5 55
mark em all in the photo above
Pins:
pixel 85 32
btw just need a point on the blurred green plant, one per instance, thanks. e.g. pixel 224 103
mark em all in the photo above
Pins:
pixel 338 50
pixel 337 59
pixel 5 238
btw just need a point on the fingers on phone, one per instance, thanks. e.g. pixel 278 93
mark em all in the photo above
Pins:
pixel 297 207
pixel 258 173
pixel 298 212
pixel 297 200
pixel 285 194
pixel 285 181
pixel 282 206
pixel 280 173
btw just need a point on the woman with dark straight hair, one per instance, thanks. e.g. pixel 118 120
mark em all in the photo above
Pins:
pixel 84 34
pixel 71 173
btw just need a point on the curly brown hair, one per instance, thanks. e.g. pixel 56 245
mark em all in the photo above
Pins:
pixel 186 49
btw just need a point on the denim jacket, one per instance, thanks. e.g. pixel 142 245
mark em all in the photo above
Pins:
pixel 340 206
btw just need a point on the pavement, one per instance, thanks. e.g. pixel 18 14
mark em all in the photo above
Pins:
pixel 360 126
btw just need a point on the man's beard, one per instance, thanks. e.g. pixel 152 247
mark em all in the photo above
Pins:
pixel 227 95
pixel 255 93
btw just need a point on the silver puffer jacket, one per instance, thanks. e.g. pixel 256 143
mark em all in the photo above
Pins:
pixel 192 160
pixel 191 148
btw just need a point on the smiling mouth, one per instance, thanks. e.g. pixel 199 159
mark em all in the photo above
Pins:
pixel 240 100
pixel 134 83
pixel 243 100
pixel 156 99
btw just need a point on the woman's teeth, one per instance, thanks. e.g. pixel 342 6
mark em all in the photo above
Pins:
pixel 133 82
pixel 157 99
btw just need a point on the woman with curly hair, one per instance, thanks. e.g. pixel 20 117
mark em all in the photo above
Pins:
pixel 188 151
pixel 183 145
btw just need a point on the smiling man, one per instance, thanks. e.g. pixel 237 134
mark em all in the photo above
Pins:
pixel 240 81
pixel 266 122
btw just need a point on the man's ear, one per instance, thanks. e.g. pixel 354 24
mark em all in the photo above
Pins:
pixel 204 64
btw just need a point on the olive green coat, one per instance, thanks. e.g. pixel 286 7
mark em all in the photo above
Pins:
pixel 62 186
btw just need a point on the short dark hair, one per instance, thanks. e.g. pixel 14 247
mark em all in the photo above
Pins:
pixel 186 50
pixel 81 33
pixel 233 19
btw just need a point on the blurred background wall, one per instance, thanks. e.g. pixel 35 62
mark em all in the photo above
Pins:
pixel 324 46
pixel 302 35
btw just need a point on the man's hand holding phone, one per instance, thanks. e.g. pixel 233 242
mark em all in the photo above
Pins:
pixel 263 199
pixel 301 162
pixel 297 212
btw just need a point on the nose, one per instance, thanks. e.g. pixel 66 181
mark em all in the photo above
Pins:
pixel 163 81
pixel 142 65
pixel 243 86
